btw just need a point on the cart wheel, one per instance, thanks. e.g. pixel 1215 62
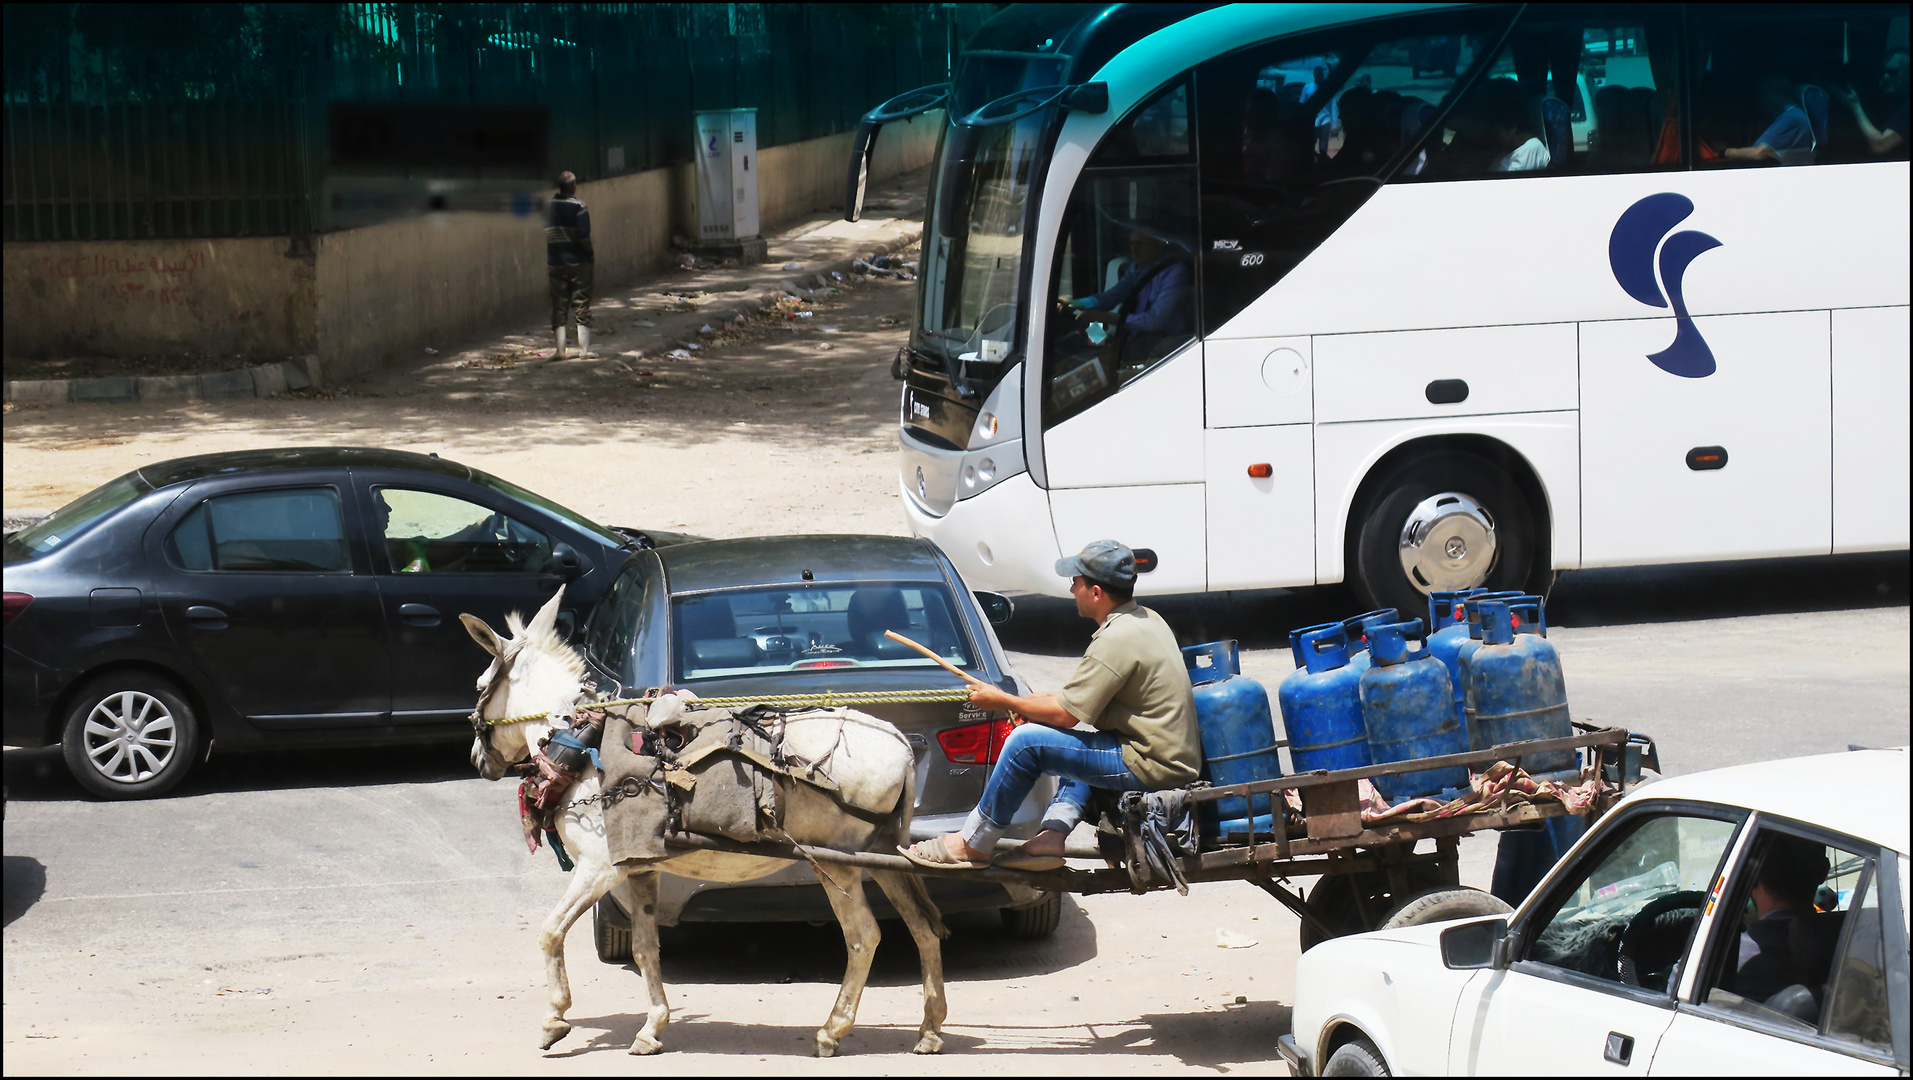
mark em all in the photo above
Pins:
pixel 1333 900
pixel 1444 902
pixel 611 931
pixel 1039 920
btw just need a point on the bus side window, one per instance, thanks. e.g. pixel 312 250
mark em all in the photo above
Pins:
pixel 1799 86
pixel 1574 91
pixel 1296 134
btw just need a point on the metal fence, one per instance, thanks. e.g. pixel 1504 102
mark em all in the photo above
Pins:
pixel 133 121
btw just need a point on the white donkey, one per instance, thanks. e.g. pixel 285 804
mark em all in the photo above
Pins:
pixel 533 671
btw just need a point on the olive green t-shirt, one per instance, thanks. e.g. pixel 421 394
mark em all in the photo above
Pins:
pixel 1132 682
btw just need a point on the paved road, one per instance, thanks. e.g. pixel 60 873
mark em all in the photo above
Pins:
pixel 373 911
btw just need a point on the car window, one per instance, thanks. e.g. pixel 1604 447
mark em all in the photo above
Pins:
pixel 298 529
pixel 75 517
pixel 570 517
pixel 813 628
pixel 1803 951
pixel 1629 919
pixel 429 533
pixel 617 622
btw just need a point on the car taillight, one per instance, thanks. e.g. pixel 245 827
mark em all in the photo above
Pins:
pixel 975 744
pixel 16 603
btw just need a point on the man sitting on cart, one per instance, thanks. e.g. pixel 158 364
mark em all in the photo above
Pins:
pixel 1132 689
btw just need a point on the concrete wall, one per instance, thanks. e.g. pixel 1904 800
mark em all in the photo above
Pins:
pixel 363 298
pixel 214 298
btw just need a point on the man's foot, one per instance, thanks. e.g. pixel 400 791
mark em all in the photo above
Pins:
pixel 1049 842
pixel 945 853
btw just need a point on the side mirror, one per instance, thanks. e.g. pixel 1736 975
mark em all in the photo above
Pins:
pixel 1474 945
pixel 565 561
pixel 996 607
pixel 862 148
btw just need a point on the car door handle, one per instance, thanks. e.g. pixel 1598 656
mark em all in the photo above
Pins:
pixel 206 618
pixel 1620 1048
pixel 419 614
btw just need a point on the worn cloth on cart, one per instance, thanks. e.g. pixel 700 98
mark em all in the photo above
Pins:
pixel 1162 830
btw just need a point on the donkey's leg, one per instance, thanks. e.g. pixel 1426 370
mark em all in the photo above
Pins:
pixel 643 894
pixel 912 900
pixel 844 885
pixel 588 883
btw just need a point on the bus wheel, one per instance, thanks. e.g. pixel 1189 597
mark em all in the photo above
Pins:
pixel 1447 521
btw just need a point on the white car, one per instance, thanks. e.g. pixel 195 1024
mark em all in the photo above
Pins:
pixel 1744 921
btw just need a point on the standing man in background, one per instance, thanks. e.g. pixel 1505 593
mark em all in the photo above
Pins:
pixel 568 260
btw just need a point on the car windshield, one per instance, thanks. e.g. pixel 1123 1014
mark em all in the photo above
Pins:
pixel 75 517
pixel 570 517
pixel 821 628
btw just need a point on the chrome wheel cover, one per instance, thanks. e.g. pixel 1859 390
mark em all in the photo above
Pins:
pixel 1448 542
pixel 130 737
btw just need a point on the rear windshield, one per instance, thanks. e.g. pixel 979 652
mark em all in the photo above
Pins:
pixel 821 628
pixel 75 517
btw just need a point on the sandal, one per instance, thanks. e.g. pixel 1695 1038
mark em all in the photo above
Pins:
pixel 1023 860
pixel 932 854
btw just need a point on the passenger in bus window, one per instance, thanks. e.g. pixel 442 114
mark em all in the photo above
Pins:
pixel 1508 118
pixel 1890 140
pixel 1789 137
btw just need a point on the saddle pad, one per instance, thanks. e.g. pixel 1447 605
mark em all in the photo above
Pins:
pixel 633 827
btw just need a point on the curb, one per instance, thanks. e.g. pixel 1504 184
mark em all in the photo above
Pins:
pixel 266 380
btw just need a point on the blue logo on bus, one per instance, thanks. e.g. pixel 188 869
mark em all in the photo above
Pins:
pixel 1630 253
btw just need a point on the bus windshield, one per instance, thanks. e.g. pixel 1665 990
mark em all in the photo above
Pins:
pixel 971 270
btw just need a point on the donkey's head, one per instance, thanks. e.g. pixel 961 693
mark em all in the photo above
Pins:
pixel 532 671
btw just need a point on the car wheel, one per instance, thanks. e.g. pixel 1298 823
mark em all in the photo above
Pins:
pixel 1442 903
pixel 1039 920
pixel 1357 1057
pixel 611 931
pixel 129 735
pixel 1447 521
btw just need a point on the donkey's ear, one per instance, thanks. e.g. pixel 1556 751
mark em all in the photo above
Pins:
pixel 481 633
pixel 546 621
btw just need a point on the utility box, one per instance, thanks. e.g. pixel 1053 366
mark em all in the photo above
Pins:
pixel 727 185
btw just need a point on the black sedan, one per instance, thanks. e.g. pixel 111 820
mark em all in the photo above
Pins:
pixel 283 598
pixel 807 615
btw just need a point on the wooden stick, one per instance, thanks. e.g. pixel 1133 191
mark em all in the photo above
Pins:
pixel 941 662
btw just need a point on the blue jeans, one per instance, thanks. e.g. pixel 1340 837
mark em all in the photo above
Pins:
pixel 1081 759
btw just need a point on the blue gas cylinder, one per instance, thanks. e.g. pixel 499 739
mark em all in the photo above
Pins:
pixel 1466 648
pixel 1515 688
pixel 1295 641
pixel 1322 705
pixel 1238 738
pixel 1356 629
pixel 1408 707
pixel 1448 630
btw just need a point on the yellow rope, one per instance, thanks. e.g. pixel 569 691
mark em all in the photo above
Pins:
pixel 826 700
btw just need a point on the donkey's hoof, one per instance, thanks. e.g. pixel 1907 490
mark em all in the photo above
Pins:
pixel 554 1030
pixel 645 1044
pixel 826 1046
pixel 929 1044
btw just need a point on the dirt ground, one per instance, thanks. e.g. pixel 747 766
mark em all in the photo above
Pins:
pixel 783 423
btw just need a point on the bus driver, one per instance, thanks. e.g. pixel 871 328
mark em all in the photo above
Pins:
pixel 1132 688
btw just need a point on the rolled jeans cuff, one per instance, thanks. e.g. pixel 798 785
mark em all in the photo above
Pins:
pixel 1062 816
pixel 980 832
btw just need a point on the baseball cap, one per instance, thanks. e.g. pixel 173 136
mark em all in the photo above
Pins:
pixel 1105 562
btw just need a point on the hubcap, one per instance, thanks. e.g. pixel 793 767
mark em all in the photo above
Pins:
pixel 130 736
pixel 1448 542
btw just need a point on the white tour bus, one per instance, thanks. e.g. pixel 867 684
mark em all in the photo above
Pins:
pixel 1410 296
